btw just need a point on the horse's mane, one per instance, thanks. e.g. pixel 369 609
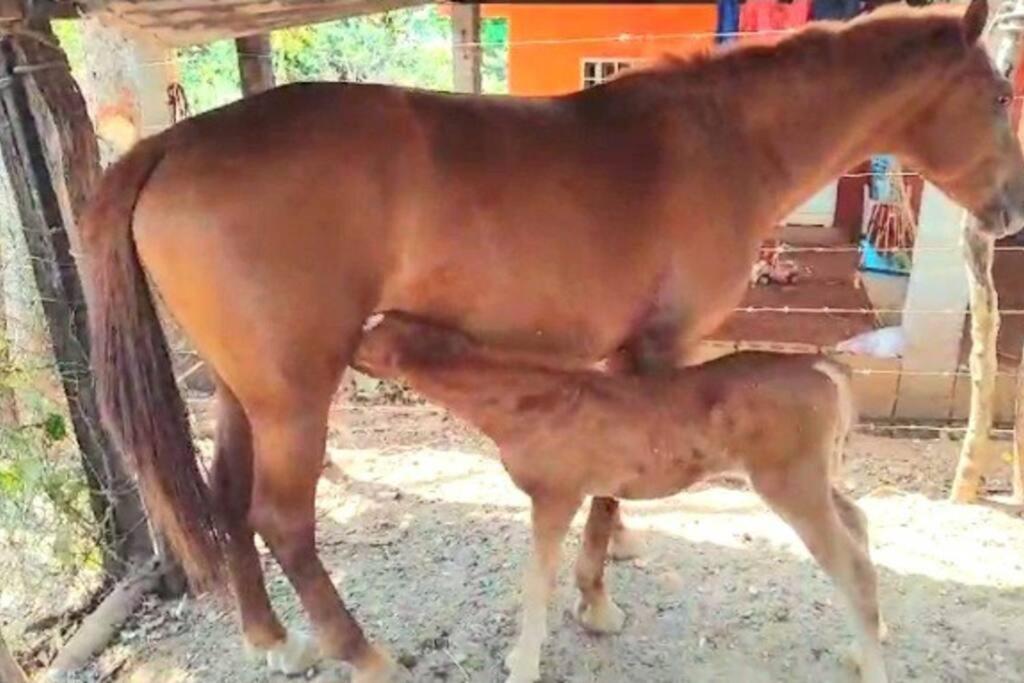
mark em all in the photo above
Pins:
pixel 917 28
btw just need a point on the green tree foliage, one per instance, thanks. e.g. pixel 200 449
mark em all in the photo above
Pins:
pixel 410 47
pixel 44 500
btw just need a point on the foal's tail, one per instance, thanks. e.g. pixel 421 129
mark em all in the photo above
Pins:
pixel 841 377
pixel 138 396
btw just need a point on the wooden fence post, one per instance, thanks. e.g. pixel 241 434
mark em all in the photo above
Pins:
pixel 46 136
pixel 1017 477
pixel 255 63
pixel 467 55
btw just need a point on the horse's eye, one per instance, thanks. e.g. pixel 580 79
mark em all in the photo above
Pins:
pixel 1004 100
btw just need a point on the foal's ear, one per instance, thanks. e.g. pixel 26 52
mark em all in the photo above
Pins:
pixel 974 20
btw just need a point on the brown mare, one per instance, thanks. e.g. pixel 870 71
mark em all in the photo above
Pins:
pixel 619 220
pixel 779 419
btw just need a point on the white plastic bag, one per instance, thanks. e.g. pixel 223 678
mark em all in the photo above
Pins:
pixel 886 342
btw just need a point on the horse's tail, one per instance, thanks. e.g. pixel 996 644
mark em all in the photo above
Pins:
pixel 138 396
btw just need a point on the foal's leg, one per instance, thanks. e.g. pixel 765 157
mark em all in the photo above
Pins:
pixel 802 496
pixel 290 442
pixel 656 348
pixel 288 653
pixel 625 543
pixel 856 523
pixel 551 518
pixel 595 609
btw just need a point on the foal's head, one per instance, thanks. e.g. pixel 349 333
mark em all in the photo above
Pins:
pixel 962 138
pixel 396 342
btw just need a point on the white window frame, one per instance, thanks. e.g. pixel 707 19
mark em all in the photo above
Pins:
pixel 620 64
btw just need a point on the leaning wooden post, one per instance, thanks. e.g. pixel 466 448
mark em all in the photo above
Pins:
pixel 255 63
pixel 1018 437
pixel 1004 40
pixel 979 253
pixel 10 672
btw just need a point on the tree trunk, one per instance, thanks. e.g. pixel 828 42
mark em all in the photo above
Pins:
pixel 53 161
pixel 1004 42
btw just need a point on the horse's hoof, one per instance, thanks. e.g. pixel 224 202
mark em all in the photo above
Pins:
pixel 297 654
pixel 602 616
pixel 521 669
pixel 625 544
pixel 379 667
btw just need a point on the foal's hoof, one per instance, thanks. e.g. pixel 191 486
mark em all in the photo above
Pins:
pixel 625 544
pixel 871 671
pixel 521 669
pixel 379 667
pixel 297 654
pixel 601 616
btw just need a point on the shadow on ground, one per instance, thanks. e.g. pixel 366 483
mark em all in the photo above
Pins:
pixel 430 565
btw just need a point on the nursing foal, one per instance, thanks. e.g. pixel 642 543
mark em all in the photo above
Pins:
pixel 779 419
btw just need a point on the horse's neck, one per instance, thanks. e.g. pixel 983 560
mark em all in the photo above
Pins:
pixel 792 124
pixel 829 122
pixel 482 392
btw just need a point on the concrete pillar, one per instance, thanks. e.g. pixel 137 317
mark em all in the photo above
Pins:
pixel 467 55
pixel 937 284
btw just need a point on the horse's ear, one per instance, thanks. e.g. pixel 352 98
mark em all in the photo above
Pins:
pixel 974 20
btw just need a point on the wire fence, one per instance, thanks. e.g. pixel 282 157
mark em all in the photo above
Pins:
pixel 44 529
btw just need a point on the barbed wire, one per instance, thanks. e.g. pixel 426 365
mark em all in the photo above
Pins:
pixel 623 37
pixel 830 310
pixel 865 425
pixel 633 38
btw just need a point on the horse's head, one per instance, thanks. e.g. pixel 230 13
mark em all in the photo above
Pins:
pixel 962 140
pixel 397 342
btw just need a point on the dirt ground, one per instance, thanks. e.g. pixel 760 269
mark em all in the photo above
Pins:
pixel 425 535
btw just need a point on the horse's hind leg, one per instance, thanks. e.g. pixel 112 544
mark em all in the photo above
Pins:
pixel 290 441
pixel 286 652
pixel 802 496
pixel 595 609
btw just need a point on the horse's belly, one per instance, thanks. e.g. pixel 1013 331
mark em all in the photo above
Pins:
pixel 582 303
pixel 584 319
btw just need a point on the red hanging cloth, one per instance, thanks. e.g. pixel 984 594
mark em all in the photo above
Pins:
pixel 758 16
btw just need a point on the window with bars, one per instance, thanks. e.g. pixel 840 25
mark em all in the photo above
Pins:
pixel 596 71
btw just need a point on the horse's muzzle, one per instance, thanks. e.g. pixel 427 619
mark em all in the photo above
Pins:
pixel 1004 216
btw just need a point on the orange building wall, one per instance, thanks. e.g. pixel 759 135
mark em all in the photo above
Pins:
pixel 548 69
